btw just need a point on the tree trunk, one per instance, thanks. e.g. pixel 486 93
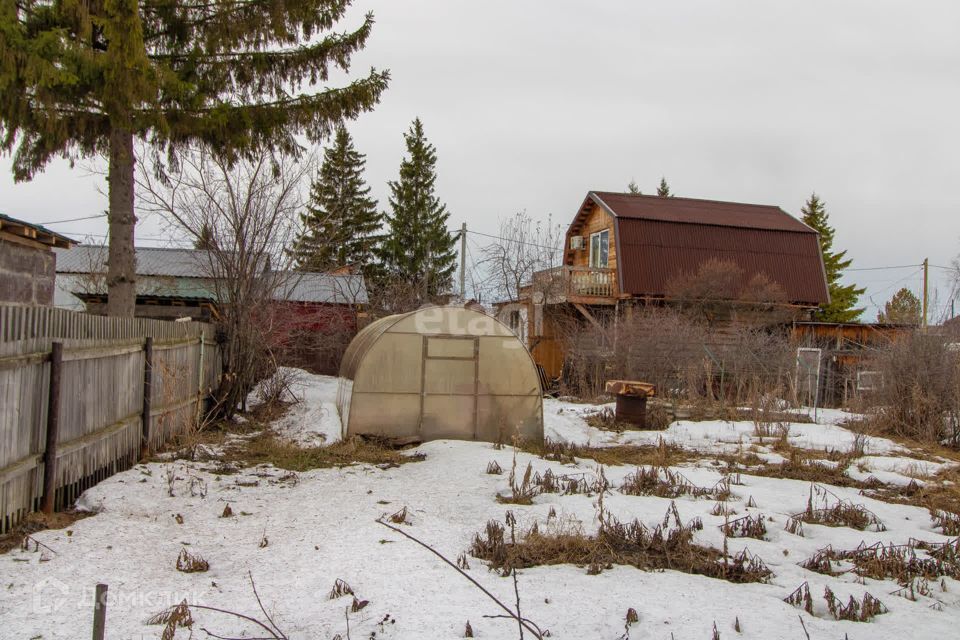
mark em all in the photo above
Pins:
pixel 121 261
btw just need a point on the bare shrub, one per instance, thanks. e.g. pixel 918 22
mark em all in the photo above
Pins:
pixel 719 289
pixel 493 468
pixel 243 213
pixel 919 392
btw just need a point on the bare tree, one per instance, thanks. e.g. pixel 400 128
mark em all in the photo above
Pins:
pixel 524 248
pixel 245 214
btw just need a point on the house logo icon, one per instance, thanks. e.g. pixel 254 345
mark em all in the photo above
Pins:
pixel 50 595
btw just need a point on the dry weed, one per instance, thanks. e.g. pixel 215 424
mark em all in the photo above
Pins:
pixel 267 448
pixel 749 526
pixel 669 545
pixel 191 563
pixel 853 610
pixel 663 454
pixel 824 507
pixel 340 589
pixel 901 563
pixel 666 483
pixel 522 492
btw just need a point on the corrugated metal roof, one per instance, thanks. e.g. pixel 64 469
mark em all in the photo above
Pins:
pixel 178 263
pixel 693 211
pixel 304 286
pixel 651 252
pixel 185 273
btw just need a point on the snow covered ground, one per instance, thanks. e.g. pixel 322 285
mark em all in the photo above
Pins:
pixel 296 534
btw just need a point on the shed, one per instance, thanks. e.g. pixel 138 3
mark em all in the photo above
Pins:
pixel 440 372
pixel 27 261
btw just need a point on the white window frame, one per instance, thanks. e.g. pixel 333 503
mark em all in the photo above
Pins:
pixel 602 248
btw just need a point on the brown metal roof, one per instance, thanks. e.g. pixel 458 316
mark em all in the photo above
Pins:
pixel 692 211
pixel 652 252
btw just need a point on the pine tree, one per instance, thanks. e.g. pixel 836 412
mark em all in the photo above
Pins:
pixel 418 249
pixel 87 78
pixel 663 190
pixel 843 298
pixel 902 308
pixel 634 188
pixel 341 222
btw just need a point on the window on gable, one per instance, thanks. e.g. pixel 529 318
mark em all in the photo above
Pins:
pixel 599 249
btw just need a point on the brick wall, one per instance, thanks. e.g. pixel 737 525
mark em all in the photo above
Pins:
pixel 26 274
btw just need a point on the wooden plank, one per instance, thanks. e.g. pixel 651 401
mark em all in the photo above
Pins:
pixel 589 316
pixel 100 398
pixel 53 429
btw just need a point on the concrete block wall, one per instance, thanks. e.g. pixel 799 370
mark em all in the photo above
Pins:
pixel 26 274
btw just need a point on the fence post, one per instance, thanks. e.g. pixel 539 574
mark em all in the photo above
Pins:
pixel 147 395
pixel 100 612
pixel 53 430
pixel 200 379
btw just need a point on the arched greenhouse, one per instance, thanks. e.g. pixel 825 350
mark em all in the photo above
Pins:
pixel 439 372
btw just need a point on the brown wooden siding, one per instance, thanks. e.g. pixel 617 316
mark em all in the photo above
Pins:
pixel 596 220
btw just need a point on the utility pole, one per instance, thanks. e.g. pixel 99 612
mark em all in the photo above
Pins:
pixel 463 262
pixel 926 273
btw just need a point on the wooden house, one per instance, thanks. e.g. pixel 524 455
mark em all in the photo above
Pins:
pixel 623 250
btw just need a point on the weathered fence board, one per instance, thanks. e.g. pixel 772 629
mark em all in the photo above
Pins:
pixel 101 403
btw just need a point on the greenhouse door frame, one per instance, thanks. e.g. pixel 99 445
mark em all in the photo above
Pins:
pixel 444 353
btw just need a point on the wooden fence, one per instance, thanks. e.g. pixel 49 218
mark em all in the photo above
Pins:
pixel 117 387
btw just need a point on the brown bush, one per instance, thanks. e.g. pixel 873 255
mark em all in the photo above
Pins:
pixel 684 357
pixel 919 393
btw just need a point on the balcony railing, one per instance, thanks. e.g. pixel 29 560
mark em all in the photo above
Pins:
pixel 566 283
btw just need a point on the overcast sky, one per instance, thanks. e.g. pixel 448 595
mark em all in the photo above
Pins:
pixel 533 103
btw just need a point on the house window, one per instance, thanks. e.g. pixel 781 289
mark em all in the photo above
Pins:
pixel 599 249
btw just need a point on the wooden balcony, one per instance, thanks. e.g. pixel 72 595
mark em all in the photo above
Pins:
pixel 584 285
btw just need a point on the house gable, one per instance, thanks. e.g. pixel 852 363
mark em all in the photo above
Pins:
pixel 654 239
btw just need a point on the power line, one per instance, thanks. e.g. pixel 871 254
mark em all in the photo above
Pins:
pixel 99 215
pixel 902 266
pixel 502 239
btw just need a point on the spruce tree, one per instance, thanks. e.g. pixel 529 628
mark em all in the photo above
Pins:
pixel 341 222
pixel 843 298
pixel 902 308
pixel 418 249
pixel 634 188
pixel 663 190
pixel 88 78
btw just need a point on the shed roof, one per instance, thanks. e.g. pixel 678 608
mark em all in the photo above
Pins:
pixel 151 261
pixel 185 273
pixel 36 232
pixel 327 288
